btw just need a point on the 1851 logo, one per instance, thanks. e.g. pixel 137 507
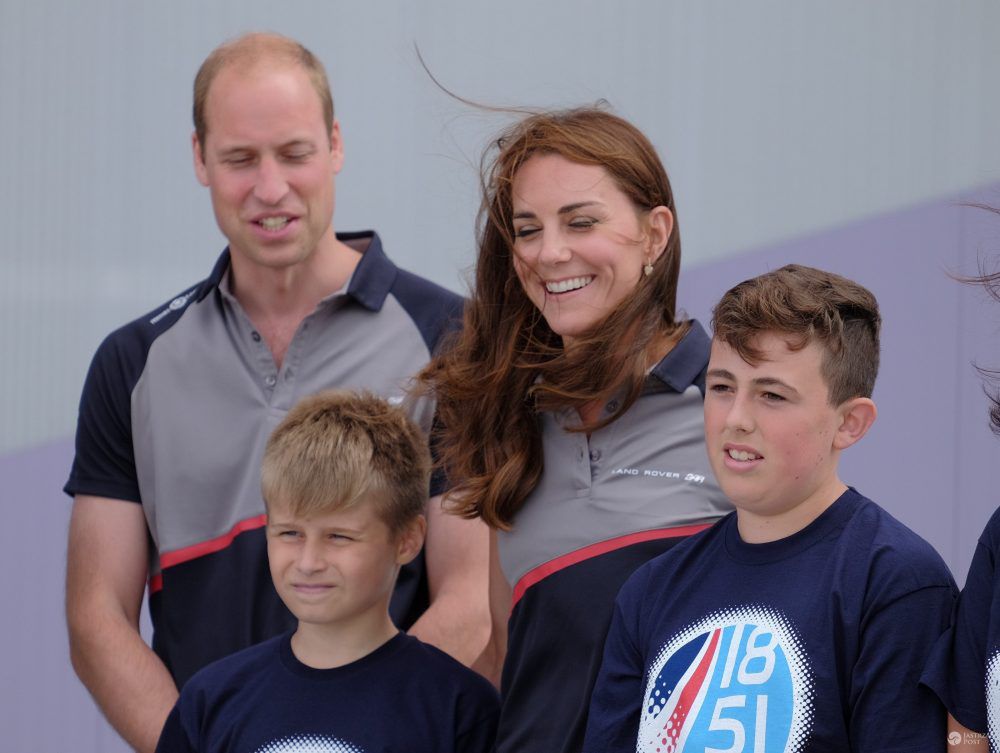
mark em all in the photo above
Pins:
pixel 736 681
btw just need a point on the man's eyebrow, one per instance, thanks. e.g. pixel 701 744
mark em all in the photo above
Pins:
pixel 247 149
pixel 528 215
pixel 298 142
pixel 721 374
pixel 230 150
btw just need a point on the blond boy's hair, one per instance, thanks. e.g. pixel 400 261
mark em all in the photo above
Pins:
pixel 338 449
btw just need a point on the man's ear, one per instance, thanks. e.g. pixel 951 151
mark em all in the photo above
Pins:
pixel 336 147
pixel 660 225
pixel 200 171
pixel 410 540
pixel 856 417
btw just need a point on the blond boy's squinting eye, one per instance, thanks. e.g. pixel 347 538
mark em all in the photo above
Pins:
pixel 773 397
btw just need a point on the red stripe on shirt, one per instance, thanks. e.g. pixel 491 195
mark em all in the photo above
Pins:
pixel 176 557
pixel 553 566
pixel 689 694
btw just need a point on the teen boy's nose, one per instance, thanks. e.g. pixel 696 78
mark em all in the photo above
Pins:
pixel 739 417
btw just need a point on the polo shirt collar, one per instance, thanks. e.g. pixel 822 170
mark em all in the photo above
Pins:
pixel 686 362
pixel 369 285
pixel 214 279
pixel 375 274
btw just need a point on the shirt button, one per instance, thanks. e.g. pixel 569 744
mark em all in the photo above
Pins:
pixel 256 336
pixel 612 406
pixel 269 380
pixel 595 455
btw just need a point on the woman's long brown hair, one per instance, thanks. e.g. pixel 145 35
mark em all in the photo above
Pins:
pixel 507 365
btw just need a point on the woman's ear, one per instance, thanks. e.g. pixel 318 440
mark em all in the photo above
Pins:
pixel 660 222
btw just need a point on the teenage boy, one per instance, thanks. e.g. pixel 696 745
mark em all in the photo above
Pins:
pixel 344 479
pixel 801 621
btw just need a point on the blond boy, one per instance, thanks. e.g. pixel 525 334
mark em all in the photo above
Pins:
pixel 344 479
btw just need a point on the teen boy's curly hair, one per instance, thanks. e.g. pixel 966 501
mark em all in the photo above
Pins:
pixel 807 305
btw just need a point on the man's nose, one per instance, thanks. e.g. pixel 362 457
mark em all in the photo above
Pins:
pixel 271 185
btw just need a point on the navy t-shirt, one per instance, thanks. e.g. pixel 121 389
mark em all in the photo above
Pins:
pixel 965 670
pixel 405 696
pixel 814 642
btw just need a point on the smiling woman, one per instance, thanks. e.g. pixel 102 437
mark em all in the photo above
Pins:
pixel 570 406
pixel 580 244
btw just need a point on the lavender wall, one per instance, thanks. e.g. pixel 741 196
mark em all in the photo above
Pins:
pixel 43 708
pixel 930 458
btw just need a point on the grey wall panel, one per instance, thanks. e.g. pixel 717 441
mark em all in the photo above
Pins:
pixel 775 119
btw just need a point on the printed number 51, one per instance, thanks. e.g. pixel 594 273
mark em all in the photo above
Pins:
pixel 735 727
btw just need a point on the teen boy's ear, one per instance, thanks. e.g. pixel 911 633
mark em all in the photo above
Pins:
pixel 856 417
pixel 410 540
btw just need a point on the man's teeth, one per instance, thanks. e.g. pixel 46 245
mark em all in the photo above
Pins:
pixel 742 455
pixel 574 283
pixel 273 223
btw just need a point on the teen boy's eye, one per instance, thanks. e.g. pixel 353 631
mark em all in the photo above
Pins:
pixel 773 397
pixel 719 389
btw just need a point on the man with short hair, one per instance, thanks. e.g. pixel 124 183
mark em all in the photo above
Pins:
pixel 178 404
